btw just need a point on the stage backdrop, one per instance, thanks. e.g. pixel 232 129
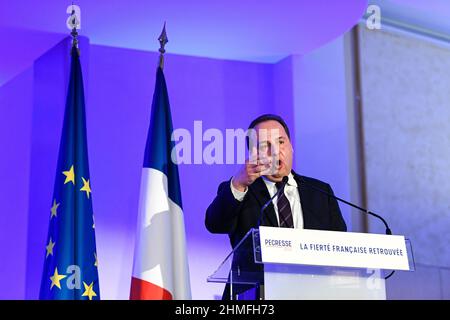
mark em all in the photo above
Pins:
pixel 306 90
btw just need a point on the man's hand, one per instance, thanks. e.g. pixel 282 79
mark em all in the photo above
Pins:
pixel 251 171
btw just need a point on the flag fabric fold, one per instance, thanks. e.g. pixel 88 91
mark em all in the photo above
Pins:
pixel 160 268
pixel 70 267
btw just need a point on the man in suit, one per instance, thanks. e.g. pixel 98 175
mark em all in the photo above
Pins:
pixel 237 206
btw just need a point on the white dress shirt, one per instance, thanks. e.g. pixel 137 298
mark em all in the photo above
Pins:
pixel 291 192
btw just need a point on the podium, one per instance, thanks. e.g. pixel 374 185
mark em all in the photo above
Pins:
pixel 281 263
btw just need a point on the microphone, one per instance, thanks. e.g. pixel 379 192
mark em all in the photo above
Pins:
pixel 366 211
pixel 264 207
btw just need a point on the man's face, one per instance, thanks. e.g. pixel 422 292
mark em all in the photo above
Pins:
pixel 274 144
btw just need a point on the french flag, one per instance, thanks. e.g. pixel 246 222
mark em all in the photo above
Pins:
pixel 160 268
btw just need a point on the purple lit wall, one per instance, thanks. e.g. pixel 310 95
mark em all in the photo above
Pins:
pixel 322 127
pixel 223 94
pixel 119 87
pixel 308 90
pixel 312 89
pixel 15 131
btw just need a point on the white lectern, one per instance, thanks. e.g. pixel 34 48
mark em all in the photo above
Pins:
pixel 281 263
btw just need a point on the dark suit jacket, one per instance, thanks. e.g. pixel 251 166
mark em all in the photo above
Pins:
pixel 235 218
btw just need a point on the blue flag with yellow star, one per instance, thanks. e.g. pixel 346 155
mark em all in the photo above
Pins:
pixel 70 267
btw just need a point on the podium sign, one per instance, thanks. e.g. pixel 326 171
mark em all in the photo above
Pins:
pixel 283 263
pixel 332 248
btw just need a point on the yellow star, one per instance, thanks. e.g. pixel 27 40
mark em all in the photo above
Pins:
pixel 56 278
pixel 96 261
pixel 49 247
pixel 54 209
pixel 88 291
pixel 86 187
pixel 70 175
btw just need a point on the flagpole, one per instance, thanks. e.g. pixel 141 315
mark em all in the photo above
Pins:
pixel 160 184
pixel 75 41
pixel 162 41
pixel 70 262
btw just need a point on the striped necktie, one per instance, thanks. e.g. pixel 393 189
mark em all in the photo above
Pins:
pixel 284 209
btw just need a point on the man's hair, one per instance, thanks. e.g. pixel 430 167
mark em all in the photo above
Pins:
pixel 267 117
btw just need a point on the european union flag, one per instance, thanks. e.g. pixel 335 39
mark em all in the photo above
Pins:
pixel 70 268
